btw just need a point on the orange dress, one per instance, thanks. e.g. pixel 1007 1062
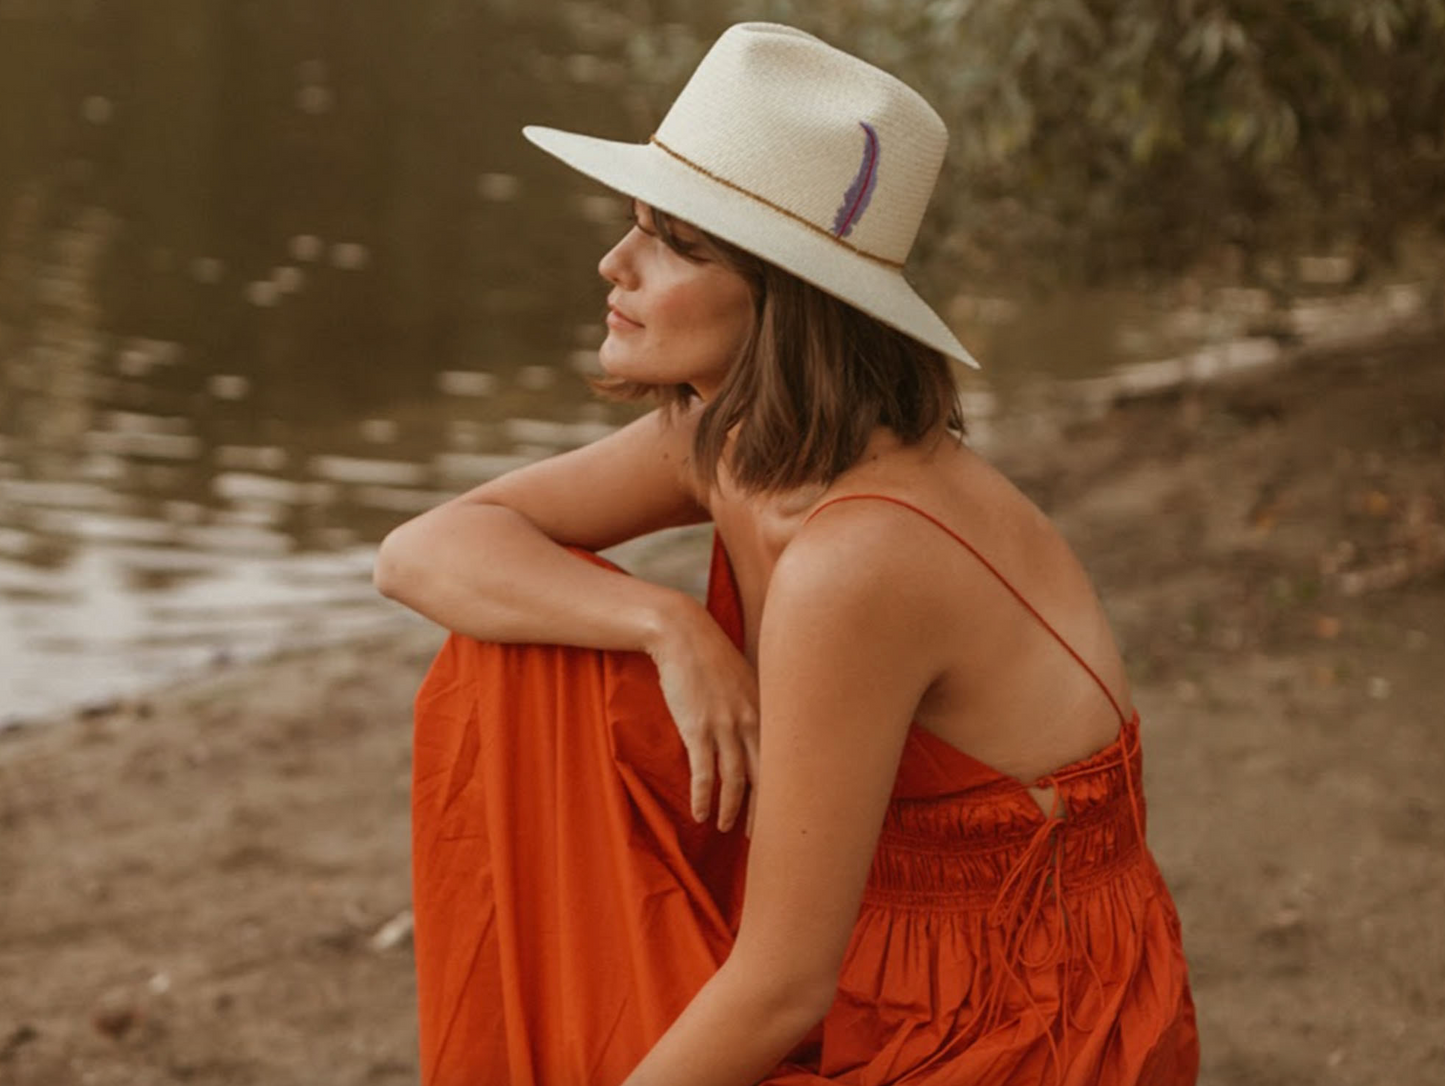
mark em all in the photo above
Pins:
pixel 568 907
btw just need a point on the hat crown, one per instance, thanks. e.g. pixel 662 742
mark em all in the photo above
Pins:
pixel 813 131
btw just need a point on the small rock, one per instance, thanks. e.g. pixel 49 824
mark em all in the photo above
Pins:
pixel 394 932
pixel 115 1022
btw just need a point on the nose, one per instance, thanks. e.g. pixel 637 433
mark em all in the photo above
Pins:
pixel 616 264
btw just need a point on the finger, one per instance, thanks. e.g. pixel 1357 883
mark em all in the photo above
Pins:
pixel 732 765
pixel 753 753
pixel 700 758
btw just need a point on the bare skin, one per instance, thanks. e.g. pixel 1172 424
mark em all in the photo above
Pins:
pixel 860 624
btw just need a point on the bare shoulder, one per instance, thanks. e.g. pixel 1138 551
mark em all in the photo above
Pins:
pixel 861 565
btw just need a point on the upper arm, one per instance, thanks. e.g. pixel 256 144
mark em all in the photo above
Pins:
pixel 845 656
pixel 627 484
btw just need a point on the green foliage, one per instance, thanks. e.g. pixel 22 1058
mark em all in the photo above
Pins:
pixel 1096 138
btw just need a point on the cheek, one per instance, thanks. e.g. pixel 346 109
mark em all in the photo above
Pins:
pixel 719 315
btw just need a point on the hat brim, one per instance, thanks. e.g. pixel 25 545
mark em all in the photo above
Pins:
pixel 661 181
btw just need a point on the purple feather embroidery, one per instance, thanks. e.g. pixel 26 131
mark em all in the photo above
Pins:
pixel 855 200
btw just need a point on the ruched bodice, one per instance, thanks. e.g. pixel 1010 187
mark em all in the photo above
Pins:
pixel 956 829
pixel 1023 933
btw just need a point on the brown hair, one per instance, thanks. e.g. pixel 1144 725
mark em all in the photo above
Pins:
pixel 813 380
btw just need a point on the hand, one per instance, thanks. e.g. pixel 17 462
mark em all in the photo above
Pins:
pixel 712 692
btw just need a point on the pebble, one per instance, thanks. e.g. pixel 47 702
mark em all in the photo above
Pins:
pixel 115 1022
pixel 394 932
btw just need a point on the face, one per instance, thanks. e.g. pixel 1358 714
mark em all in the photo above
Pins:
pixel 672 318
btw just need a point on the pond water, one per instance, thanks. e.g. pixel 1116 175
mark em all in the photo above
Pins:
pixel 274 276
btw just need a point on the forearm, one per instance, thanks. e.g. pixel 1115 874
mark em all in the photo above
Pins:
pixel 733 1033
pixel 485 571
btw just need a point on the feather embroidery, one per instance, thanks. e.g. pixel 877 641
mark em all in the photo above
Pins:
pixel 855 200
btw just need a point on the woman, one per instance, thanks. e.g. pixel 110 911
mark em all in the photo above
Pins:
pixel 901 720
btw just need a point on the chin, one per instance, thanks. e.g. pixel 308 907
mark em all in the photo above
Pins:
pixel 622 365
pixel 614 363
pixel 619 362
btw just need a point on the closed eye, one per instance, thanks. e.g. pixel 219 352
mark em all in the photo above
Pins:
pixel 689 249
pixel 637 220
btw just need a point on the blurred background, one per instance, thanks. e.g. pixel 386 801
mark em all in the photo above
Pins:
pixel 277 274
pixel 274 276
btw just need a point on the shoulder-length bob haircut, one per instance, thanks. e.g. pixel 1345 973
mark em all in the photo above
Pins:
pixel 814 378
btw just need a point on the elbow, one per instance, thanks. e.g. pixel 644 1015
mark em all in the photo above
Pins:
pixel 410 560
pixel 810 1000
pixel 792 1002
pixel 392 570
pixel 793 1010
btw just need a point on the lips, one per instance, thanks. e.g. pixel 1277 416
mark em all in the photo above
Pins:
pixel 619 321
pixel 618 317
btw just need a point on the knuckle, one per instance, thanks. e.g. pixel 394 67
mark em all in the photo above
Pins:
pixel 690 730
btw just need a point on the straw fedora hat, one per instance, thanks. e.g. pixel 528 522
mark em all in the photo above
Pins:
pixel 799 153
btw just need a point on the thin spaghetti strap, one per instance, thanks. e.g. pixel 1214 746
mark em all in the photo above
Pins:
pixel 1030 608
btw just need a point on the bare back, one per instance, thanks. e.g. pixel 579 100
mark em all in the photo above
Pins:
pixel 1010 693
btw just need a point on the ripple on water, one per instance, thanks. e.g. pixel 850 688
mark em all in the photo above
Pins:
pixel 353 469
pixel 306 247
pixel 241 539
pixel 259 458
pixel 402 500
pixel 97 527
pixel 498 187
pixel 64 495
pixel 238 486
pixel 471 468
pixel 141 444
pixel 551 434
pixel 466 383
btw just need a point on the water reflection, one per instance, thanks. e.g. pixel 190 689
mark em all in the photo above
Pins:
pixel 274 276
pixel 261 294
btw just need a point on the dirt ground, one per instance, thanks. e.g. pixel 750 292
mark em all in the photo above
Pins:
pixel 198 887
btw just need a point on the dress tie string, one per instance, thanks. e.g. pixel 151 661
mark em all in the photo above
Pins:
pixel 1032 885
